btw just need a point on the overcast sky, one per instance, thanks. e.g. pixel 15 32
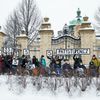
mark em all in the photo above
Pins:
pixel 59 11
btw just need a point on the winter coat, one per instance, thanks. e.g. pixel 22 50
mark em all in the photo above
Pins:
pixel 43 62
pixel 8 61
pixel 35 62
pixel 58 62
pixel 96 62
pixel 77 62
pixel 52 62
pixel 66 66
pixel 1 63
pixel 24 61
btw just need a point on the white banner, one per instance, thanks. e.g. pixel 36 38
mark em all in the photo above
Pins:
pixel 0 52
pixel 49 53
pixel 15 62
pixel 82 51
pixel 26 52
pixel 8 51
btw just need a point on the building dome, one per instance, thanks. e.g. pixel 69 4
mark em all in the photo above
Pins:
pixel 77 20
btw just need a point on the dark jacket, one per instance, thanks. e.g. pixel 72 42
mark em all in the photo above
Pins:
pixel 24 61
pixel 35 62
pixel 8 61
pixel 77 62
pixel 66 66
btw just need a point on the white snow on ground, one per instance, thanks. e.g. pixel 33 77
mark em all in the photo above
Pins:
pixel 13 88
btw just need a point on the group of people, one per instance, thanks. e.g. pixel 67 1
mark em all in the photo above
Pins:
pixel 11 64
pixel 58 65
pixel 78 68
pixel 62 66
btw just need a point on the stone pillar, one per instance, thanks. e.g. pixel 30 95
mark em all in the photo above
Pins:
pixel 46 34
pixel 22 42
pixel 2 35
pixel 87 35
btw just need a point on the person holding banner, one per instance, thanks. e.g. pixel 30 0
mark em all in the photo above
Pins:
pixel 79 67
pixel 24 61
pixel 14 65
pixel 52 63
pixel 77 61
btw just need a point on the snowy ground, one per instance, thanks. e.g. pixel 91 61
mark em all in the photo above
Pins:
pixel 29 88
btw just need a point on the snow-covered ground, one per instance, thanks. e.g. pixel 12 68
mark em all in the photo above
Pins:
pixel 29 88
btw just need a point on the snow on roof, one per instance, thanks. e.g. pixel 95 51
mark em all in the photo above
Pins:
pixel 90 28
pixel 98 38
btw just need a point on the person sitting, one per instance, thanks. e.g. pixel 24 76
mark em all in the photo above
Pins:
pixel 66 68
pixel 57 65
pixel 52 63
pixel 95 61
pixel 79 67
pixel 66 65
pixel 94 64
pixel 77 61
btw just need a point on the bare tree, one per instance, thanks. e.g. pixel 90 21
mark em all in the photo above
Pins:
pixel 97 19
pixel 27 17
pixel 12 28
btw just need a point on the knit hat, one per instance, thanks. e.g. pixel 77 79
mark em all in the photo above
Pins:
pixel 93 56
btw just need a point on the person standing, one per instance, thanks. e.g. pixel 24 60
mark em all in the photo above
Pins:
pixel 1 64
pixel 43 61
pixel 35 61
pixel 42 65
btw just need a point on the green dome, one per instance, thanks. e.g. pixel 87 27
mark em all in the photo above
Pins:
pixel 75 22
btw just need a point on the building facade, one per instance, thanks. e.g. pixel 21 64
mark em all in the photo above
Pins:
pixel 78 34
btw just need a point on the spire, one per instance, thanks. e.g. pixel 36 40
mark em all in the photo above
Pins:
pixel 78 15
